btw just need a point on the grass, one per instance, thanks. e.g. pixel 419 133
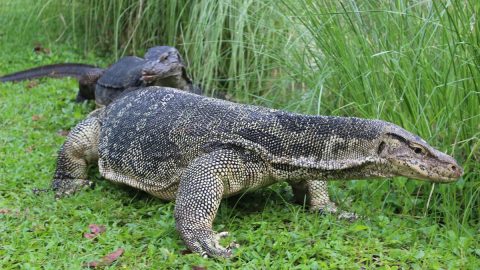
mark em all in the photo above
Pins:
pixel 412 63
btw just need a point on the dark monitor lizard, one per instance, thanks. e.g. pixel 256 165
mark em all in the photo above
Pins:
pixel 161 66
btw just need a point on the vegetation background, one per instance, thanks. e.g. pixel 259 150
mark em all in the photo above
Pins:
pixel 413 63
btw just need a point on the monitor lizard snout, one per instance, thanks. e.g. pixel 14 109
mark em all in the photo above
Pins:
pixel 409 155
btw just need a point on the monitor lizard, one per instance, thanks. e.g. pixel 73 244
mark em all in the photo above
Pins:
pixel 196 150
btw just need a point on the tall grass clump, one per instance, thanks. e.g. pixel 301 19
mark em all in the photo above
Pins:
pixel 412 63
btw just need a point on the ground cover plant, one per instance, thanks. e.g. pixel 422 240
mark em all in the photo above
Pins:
pixel 412 63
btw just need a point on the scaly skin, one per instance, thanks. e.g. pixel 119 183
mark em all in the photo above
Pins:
pixel 161 66
pixel 197 150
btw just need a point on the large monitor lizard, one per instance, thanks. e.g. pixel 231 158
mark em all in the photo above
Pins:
pixel 161 66
pixel 196 150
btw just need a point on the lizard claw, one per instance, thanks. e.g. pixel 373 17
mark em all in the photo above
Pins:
pixel 350 216
pixel 220 235
pixel 66 187
pixel 38 191
pixel 208 245
pixel 331 208
pixel 328 208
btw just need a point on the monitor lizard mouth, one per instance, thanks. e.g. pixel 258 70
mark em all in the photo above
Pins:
pixel 438 168
pixel 149 77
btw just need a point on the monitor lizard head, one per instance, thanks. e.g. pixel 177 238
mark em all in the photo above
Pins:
pixel 164 66
pixel 409 155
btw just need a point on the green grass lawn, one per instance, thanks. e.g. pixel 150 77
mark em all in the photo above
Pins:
pixel 424 79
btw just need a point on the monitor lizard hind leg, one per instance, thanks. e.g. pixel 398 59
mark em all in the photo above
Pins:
pixel 315 194
pixel 79 150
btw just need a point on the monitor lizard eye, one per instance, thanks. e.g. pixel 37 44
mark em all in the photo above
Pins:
pixel 163 57
pixel 380 148
pixel 418 150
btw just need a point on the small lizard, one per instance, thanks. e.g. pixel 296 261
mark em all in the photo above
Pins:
pixel 161 66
